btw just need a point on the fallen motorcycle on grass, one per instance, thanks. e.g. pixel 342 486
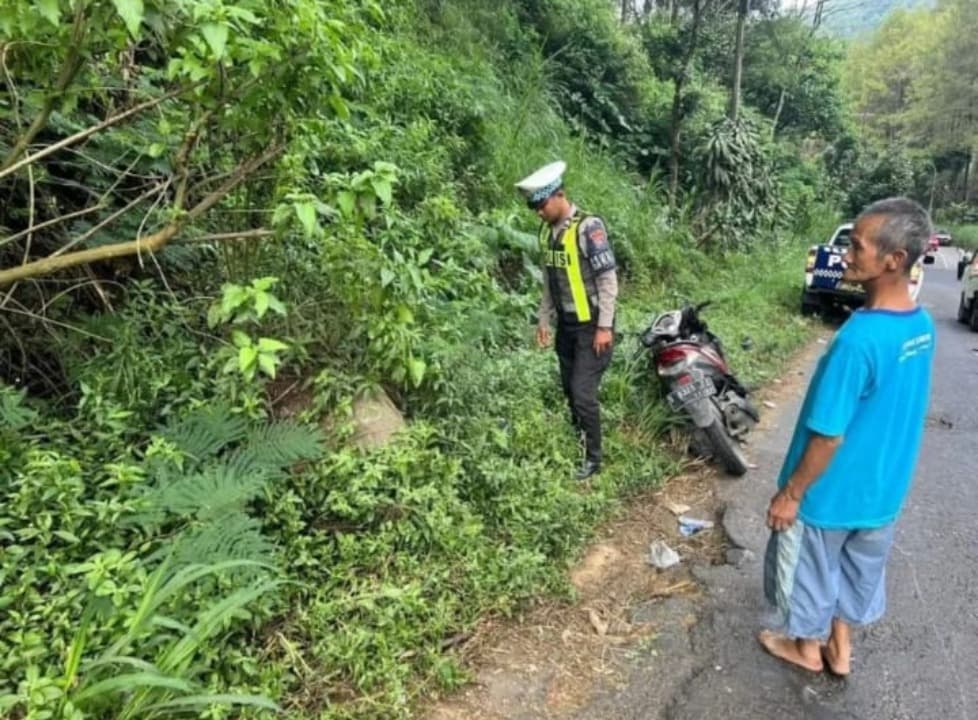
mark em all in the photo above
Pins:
pixel 700 386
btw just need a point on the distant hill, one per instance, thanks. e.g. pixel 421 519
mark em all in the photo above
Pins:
pixel 850 18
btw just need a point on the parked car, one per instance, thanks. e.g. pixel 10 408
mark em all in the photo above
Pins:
pixel 944 238
pixel 824 287
pixel 968 304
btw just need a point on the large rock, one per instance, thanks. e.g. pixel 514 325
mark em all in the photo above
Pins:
pixel 376 419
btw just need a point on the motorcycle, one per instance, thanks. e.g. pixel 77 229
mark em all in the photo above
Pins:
pixel 699 384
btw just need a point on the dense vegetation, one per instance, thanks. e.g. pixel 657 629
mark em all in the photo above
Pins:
pixel 911 84
pixel 224 223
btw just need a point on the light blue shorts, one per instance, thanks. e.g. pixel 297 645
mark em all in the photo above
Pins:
pixel 812 576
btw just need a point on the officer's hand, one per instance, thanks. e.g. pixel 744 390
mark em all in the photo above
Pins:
pixel 543 336
pixel 603 338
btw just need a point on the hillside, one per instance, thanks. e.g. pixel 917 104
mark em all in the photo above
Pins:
pixel 851 18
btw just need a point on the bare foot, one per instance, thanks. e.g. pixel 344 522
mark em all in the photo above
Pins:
pixel 836 662
pixel 796 652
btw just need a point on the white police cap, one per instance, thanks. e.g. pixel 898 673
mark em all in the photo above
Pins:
pixel 544 182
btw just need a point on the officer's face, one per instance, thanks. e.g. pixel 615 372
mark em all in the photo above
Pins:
pixel 547 209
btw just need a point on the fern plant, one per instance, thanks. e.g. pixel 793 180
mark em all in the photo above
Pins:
pixel 206 469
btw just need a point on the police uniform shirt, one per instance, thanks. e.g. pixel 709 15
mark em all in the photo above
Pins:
pixel 593 245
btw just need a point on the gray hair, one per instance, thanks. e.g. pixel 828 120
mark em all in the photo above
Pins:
pixel 906 226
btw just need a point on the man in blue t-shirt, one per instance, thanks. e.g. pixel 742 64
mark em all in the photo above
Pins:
pixel 852 457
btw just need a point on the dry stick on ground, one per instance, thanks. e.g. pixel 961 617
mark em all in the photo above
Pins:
pixel 152 243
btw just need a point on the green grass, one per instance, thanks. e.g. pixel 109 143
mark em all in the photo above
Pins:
pixel 965 236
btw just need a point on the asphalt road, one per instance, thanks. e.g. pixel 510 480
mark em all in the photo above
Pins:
pixel 921 661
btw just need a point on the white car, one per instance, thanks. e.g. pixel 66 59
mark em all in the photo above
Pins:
pixel 824 286
pixel 968 275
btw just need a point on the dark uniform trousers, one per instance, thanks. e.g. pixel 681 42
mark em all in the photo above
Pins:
pixel 580 374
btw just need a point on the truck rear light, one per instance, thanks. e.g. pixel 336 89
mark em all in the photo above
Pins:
pixel 810 262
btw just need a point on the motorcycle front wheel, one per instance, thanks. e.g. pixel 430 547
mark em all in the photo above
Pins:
pixel 726 450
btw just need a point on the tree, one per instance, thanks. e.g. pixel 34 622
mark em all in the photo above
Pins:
pixel 882 72
pixel 157 113
pixel 672 43
pixel 794 76
pixel 743 8
pixel 944 113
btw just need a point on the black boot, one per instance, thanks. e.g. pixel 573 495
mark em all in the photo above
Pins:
pixel 589 468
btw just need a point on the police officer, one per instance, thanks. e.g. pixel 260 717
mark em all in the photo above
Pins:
pixel 579 291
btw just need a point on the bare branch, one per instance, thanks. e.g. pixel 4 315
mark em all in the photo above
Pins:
pixel 88 132
pixel 239 235
pixel 121 211
pixel 149 244
pixel 49 223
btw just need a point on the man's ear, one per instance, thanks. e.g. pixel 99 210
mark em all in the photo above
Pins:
pixel 896 260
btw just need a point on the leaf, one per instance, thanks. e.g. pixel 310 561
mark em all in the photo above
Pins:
pixel 347 202
pixel 276 305
pixel 205 701
pixel 131 681
pixel 240 339
pixel 306 212
pixel 267 363
pixel 417 370
pixel 49 10
pixel 215 314
pixel 382 189
pixel 216 35
pixel 264 283
pixel 262 303
pixel 404 315
pixel 234 297
pixel 386 277
pixel 247 361
pixel 271 345
pixel 131 12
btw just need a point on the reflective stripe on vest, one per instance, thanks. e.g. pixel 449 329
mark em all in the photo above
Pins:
pixel 570 260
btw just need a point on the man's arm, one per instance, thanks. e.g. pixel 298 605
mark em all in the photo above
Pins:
pixel 545 315
pixel 597 249
pixel 819 452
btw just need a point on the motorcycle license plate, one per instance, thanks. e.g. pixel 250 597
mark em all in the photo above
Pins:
pixel 691 392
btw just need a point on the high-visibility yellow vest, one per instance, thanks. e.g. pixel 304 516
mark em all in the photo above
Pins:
pixel 568 259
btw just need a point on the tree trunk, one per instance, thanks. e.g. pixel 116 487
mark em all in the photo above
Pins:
pixel 624 11
pixel 743 7
pixel 817 15
pixel 968 173
pixel 676 117
pixel 777 113
pixel 675 126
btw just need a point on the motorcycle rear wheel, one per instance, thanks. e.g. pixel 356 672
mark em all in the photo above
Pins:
pixel 726 450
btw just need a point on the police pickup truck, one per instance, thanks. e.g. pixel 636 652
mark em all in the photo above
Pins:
pixel 824 288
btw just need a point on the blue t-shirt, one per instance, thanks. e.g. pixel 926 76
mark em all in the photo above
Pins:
pixel 871 387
